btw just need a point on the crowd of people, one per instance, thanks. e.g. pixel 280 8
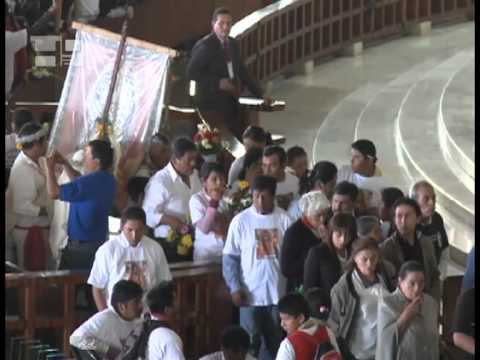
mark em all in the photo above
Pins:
pixel 331 262
pixel 332 258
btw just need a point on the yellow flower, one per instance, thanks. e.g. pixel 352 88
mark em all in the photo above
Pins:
pixel 187 241
pixel 19 146
pixel 182 250
pixel 243 184
pixel 171 235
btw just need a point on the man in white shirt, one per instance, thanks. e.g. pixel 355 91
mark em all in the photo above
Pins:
pixel 235 344
pixel 27 199
pixel 251 265
pixel 163 342
pixel 168 192
pixel 364 171
pixel 131 256
pixel 14 41
pixel 274 162
pixel 112 331
pixel 253 137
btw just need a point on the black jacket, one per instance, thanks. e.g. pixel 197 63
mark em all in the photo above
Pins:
pixel 322 268
pixel 208 65
pixel 297 241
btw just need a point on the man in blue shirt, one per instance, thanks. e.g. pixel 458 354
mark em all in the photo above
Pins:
pixel 91 198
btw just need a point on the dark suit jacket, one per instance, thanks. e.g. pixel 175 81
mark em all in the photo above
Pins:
pixel 208 65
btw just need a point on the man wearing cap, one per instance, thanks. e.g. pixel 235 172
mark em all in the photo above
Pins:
pixel 364 172
pixel 27 199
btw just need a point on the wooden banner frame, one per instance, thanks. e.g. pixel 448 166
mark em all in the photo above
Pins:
pixel 130 40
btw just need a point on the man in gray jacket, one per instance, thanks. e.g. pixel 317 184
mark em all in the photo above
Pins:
pixel 408 243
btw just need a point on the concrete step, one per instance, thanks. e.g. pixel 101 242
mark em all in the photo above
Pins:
pixel 417 133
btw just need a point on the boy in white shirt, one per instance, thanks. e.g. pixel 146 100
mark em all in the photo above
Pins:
pixel 163 343
pixel 130 255
pixel 251 265
pixel 106 332
pixel 235 344
pixel 274 162
pixel 207 211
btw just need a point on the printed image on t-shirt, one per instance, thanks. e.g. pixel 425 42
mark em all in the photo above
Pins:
pixel 137 271
pixel 267 243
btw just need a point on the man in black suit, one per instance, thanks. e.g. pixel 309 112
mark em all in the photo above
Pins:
pixel 220 74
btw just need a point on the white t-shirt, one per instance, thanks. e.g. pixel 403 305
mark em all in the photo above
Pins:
pixel 14 41
pixel 166 193
pixel 373 185
pixel 106 329
pixel 257 239
pixel 206 246
pixel 164 344
pixel 219 356
pixel 116 260
pixel 235 169
pixel 288 188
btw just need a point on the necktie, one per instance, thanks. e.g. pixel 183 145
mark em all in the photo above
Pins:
pixel 226 51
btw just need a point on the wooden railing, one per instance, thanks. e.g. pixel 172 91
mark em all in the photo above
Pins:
pixel 47 301
pixel 289 32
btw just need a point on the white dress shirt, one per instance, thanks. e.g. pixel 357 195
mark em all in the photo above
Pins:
pixel 166 193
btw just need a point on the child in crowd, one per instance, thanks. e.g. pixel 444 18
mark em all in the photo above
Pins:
pixel 297 162
pixel 307 337
pixel 207 211
pixel 369 227
pixel 235 344
pixel 136 190
pixel 385 211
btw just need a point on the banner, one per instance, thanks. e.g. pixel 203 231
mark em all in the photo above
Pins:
pixel 136 110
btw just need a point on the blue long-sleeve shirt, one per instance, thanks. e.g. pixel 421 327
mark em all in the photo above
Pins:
pixel 232 272
pixel 469 277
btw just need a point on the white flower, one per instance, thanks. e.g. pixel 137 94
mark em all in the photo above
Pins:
pixel 206 144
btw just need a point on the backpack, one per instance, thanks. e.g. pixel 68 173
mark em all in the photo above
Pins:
pixel 316 347
pixel 139 348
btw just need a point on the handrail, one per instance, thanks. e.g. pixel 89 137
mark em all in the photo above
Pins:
pixel 198 287
pixel 278 37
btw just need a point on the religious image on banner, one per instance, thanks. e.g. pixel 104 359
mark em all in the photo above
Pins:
pixel 136 271
pixel 267 241
pixel 137 102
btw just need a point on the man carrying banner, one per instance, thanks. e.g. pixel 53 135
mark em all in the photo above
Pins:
pixel 91 199
pixel 220 74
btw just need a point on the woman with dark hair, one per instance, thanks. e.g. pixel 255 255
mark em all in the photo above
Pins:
pixel 326 262
pixel 408 319
pixel 323 177
pixel 355 298
pixel 252 167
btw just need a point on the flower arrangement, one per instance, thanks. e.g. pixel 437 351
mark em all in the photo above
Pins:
pixel 240 199
pixel 208 141
pixel 182 241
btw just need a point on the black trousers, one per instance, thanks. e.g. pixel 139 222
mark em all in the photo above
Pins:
pixel 79 255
